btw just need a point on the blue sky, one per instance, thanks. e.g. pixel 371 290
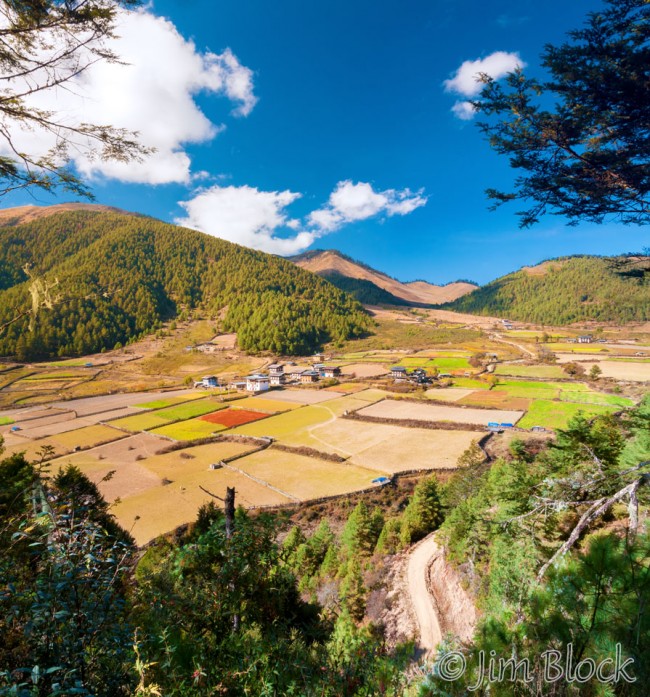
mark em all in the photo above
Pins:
pixel 328 125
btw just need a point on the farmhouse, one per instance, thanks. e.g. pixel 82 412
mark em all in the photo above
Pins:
pixel 330 371
pixel 208 381
pixel 398 371
pixel 309 376
pixel 585 339
pixel 277 380
pixel 276 369
pixel 207 347
pixel 257 383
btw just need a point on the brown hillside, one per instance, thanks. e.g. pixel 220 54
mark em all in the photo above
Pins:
pixel 329 261
pixel 26 214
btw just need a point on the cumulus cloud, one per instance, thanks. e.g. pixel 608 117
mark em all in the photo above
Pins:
pixel 351 202
pixel 259 219
pixel 466 80
pixel 150 91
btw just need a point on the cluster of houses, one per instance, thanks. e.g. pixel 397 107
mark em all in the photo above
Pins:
pixel 278 375
pixel 418 375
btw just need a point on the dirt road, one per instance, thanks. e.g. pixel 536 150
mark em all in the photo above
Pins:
pixel 421 598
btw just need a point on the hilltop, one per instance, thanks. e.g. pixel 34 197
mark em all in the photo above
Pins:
pixel 566 290
pixel 374 287
pixel 121 275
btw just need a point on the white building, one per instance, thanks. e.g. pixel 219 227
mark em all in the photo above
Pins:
pixel 257 383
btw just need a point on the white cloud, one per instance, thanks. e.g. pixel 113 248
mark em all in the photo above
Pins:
pixel 247 216
pixel 464 110
pixel 466 79
pixel 151 91
pixel 350 202
pixel 258 219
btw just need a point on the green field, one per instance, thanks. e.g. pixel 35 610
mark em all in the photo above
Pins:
pixel 596 398
pixel 531 371
pixel 557 414
pixel 444 364
pixel 188 410
pixel 170 402
pixel 140 422
pixel 470 384
pixel 188 430
pixel 5 421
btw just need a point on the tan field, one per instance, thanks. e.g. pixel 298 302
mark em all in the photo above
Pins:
pixel 435 450
pixel 89 436
pixel 364 370
pixel 163 508
pixel 449 394
pixel 619 370
pixel 393 409
pixel 306 396
pixel 305 478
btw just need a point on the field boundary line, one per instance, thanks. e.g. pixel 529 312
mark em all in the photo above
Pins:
pixel 263 482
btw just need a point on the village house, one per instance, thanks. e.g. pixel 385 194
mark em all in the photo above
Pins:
pixel 330 371
pixel 276 369
pixel 585 339
pixel 207 381
pixel 277 380
pixel 257 383
pixel 309 376
pixel 398 371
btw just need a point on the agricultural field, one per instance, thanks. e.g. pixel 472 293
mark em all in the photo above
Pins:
pixel 557 414
pixel 302 478
pixel 230 418
pixel 88 437
pixel 530 371
pixel 150 420
pixel 496 399
pixel 270 405
pixel 161 509
pixel 365 370
pixel 449 394
pixel 292 427
pixel 444 364
pixel 307 396
pixel 6 420
pixel 188 430
pixel 403 410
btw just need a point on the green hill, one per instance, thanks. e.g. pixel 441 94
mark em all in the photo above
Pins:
pixel 566 290
pixel 121 275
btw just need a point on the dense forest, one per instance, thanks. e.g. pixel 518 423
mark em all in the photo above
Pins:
pixel 269 609
pixel 120 276
pixel 567 290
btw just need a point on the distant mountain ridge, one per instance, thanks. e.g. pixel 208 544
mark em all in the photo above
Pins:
pixel 344 271
pixel 121 275
pixel 566 290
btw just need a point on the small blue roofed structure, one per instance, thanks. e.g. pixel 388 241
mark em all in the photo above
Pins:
pixel 15 428
pixel 505 425
pixel 381 480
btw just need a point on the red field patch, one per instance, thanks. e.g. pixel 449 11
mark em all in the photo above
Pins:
pixel 234 417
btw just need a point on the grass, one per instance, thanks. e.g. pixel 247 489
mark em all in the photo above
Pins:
pixel 140 422
pixel 444 364
pixel 189 410
pixel 470 384
pixel 170 402
pixel 56 376
pixel 557 414
pixel 72 363
pixel 596 398
pixel 5 421
pixel 188 430
pixel 531 371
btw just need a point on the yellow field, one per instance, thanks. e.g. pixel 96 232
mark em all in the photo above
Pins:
pixel 188 430
pixel 291 427
pixel 181 463
pixel 272 406
pixel 140 422
pixel 161 509
pixel 88 437
pixel 304 477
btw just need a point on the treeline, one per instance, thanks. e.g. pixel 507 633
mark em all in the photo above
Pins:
pixel 120 276
pixel 364 291
pixel 571 290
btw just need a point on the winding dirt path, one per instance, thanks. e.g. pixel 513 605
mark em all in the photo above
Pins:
pixel 523 349
pixel 421 598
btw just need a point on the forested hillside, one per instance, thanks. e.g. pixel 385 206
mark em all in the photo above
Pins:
pixel 119 276
pixel 562 291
